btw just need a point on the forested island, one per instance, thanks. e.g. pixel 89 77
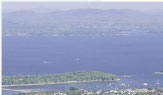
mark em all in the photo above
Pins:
pixel 68 77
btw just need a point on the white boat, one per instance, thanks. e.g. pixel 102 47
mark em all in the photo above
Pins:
pixel 157 82
pixel 45 62
pixel 145 84
pixel 123 84
pixel 159 72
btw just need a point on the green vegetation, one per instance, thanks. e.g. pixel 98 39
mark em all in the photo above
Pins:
pixel 81 76
pixel 134 91
pixel 73 88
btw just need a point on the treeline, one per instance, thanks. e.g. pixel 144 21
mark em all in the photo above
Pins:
pixel 58 78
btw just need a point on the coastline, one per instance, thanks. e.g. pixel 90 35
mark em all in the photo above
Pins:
pixel 17 90
pixel 120 34
pixel 60 83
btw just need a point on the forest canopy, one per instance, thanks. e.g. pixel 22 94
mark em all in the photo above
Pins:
pixel 80 76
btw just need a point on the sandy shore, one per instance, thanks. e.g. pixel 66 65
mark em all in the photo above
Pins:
pixel 17 90
pixel 57 83
pixel 4 87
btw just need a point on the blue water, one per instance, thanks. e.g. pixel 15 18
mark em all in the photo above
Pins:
pixel 136 55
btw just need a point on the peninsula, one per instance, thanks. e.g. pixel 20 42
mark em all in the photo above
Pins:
pixel 59 78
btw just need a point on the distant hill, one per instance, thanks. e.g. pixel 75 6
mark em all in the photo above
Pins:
pixel 79 22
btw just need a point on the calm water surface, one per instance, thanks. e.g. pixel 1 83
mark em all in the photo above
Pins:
pixel 136 55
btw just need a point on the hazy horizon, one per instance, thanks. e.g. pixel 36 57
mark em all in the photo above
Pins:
pixel 140 6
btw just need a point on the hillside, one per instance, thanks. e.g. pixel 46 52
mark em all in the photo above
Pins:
pixel 80 22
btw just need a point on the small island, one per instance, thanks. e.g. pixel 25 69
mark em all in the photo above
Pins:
pixel 59 78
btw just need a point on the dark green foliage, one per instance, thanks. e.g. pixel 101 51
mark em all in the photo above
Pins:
pixel 58 78
pixel 73 88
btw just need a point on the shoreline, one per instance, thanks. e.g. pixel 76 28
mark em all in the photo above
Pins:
pixel 119 34
pixel 17 90
pixel 68 82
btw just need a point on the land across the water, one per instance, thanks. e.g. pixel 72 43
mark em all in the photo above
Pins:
pixel 60 83
pixel 7 87
pixel 78 91
pixel 61 78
